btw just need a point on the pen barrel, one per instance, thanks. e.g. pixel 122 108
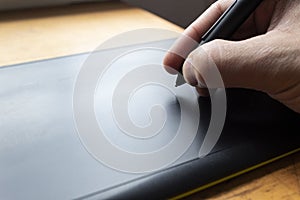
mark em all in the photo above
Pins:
pixel 231 20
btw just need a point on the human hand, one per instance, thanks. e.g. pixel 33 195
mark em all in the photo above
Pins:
pixel 264 53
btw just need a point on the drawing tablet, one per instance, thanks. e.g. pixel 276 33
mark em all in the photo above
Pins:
pixel 42 156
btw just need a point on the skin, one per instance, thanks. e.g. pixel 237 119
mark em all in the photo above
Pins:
pixel 264 54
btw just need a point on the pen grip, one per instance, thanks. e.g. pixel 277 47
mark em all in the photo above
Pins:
pixel 231 20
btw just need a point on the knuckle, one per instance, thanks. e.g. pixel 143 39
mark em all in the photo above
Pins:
pixel 216 7
pixel 216 50
pixel 220 6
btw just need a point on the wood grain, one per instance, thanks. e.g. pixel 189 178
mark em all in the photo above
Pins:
pixel 50 32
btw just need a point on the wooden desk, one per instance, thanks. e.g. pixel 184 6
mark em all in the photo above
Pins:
pixel 278 180
pixel 46 33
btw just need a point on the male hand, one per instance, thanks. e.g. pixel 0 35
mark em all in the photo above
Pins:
pixel 264 54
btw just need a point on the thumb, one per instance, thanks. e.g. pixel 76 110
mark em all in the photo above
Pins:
pixel 242 64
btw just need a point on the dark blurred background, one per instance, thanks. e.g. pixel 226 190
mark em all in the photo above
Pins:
pixel 180 12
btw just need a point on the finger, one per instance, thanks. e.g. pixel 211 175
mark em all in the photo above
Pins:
pixel 195 31
pixel 178 52
pixel 243 64
pixel 203 92
pixel 201 25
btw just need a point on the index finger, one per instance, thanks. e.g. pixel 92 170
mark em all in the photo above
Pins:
pixel 195 31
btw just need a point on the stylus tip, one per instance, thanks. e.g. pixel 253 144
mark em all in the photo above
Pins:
pixel 180 80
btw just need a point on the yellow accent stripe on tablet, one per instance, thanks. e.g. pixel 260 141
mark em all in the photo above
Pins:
pixel 234 175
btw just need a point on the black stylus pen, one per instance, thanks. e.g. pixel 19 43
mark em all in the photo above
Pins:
pixel 227 24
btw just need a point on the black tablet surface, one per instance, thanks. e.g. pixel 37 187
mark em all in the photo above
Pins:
pixel 44 153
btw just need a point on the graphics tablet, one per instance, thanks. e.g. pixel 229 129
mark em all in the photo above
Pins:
pixel 44 153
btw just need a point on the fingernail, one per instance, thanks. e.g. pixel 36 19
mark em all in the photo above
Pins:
pixel 189 73
pixel 170 70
